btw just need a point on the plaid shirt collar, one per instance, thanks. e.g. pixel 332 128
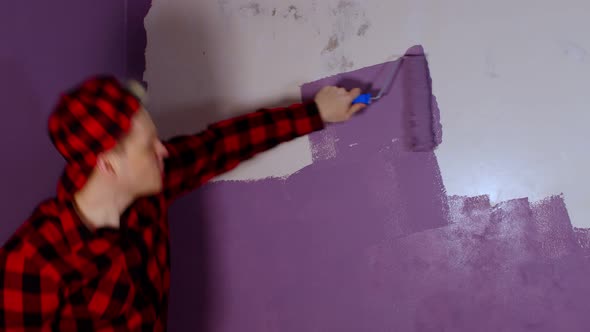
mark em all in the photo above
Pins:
pixel 77 233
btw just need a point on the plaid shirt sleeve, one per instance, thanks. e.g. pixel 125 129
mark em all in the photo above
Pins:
pixel 29 297
pixel 195 159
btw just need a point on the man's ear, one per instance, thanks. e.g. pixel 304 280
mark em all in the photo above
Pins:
pixel 106 164
pixel 138 90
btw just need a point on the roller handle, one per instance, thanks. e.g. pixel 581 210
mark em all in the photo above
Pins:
pixel 363 99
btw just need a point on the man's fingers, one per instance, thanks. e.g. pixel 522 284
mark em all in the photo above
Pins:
pixel 355 108
pixel 341 91
pixel 355 93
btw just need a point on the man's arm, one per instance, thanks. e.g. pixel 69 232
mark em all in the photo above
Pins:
pixel 195 159
pixel 28 294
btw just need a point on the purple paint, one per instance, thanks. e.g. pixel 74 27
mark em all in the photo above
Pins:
pixel 488 271
pixel 365 239
pixel 136 38
pixel 389 252
pixel 411 90
pixel 48 47
pixel 556 234
pixel 582 236
pixel 381 128
pixel 289 254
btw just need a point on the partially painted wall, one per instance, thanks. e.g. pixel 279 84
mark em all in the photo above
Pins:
pixel 513 79
pixel 378 243
pixel 366 239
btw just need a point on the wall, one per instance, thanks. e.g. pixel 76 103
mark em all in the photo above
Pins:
pixel 511 78
pixel 48 47
pixel 267 255
pixel 207 60
pixel 366 239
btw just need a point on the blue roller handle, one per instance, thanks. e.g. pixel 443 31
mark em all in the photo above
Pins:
pixel 363 99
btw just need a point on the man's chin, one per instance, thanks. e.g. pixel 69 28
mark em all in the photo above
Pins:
pixel 151 191
pixel 156 191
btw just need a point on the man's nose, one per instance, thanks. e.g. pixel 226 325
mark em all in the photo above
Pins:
pixel 162 151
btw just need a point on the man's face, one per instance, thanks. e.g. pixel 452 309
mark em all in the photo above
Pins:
pixel 141 161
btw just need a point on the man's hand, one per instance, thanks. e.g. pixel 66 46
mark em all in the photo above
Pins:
pixel 334 103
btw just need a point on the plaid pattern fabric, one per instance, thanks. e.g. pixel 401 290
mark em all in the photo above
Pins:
pixel 55 274
pixel 225 144
pixel 88 120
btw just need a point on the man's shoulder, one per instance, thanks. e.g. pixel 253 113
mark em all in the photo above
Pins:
pixel 41 228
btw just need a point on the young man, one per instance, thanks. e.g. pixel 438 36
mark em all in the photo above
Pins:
pixel 96 257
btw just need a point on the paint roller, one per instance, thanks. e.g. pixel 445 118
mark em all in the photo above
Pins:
pixel 418 101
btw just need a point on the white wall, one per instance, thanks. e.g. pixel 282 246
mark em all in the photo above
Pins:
pixel 512 79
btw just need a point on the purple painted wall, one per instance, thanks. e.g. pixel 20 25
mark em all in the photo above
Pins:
pixel 365 239
pixel 47 47
pixel 289 255
pixel 512 267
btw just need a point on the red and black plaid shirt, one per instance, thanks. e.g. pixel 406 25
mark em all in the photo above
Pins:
pixel 56 274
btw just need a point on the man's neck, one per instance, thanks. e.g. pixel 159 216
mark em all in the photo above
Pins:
pixel 99 206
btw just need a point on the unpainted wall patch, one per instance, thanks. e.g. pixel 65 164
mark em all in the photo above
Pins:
pixel 349 20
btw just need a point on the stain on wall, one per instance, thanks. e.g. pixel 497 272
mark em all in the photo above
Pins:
pixel 340 64
pixel 261 9
pixel 294 12
pixel 332 44
pixel 349 20
pixel 363 29
pixel 252 9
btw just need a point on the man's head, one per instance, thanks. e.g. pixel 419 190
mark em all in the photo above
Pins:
pixel 136 164
pixel 106 136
